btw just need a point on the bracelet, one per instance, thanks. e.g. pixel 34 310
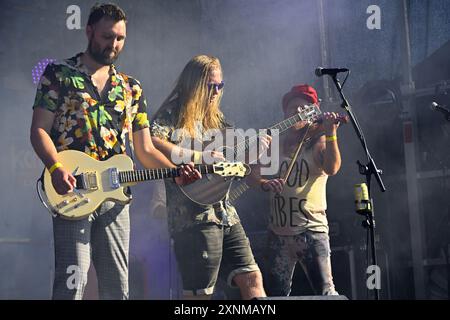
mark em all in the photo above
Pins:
pixel 54 167
pixel 331 138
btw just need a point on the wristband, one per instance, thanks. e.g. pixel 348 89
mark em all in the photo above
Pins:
pixel 331 138
pixel 54 167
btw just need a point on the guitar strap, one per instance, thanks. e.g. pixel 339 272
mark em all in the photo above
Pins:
pixel 129 124
pixel 130 134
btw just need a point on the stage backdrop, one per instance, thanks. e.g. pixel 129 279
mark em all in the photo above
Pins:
pixel 265 46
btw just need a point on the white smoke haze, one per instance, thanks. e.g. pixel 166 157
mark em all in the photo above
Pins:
pixel 265 47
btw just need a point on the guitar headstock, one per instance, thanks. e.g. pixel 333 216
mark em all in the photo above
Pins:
pixel 231 169
pixel 308 112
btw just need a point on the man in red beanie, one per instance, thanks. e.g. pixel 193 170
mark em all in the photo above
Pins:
pixel 304 91
pixel 298 229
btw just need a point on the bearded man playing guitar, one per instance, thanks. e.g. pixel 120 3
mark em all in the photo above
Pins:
pixel 84 105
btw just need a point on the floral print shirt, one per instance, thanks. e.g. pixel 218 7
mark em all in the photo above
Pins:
pixel 183 212
pixel 84 120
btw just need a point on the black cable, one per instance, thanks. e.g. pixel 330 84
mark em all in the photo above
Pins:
pixel 38 191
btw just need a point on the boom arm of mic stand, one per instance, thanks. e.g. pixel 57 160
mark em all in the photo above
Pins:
pixel 371 168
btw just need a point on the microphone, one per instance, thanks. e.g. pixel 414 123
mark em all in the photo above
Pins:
pixel 330 71
pixel 437 107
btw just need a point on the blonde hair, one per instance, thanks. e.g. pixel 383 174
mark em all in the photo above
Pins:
pixel 192 92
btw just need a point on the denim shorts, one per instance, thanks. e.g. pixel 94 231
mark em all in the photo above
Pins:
pixel 205 249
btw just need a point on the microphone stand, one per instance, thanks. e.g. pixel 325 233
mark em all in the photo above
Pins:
pixel 367 170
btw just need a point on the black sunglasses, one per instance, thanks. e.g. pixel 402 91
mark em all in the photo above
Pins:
pixel 218 86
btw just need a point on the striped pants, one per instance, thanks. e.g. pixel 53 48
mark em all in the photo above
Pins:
pixel 103 237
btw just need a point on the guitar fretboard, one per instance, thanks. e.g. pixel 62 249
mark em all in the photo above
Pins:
pixel 286 123
pixel 157 174
pixel 281 127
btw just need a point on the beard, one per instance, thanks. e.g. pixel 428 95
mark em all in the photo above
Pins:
pixel 102 56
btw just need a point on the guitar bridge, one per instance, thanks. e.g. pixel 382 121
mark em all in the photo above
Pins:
pixel 87 181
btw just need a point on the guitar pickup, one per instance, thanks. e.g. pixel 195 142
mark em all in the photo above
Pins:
pixel 113 174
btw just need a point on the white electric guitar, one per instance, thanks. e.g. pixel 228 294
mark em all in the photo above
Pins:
pixel 98 181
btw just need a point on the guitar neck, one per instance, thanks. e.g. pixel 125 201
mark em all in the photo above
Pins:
pixel 157 174
pixel 286 123
pixel 281 127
